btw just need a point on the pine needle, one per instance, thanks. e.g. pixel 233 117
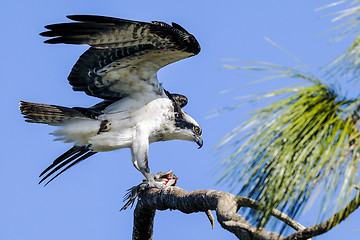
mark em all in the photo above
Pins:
pixel 292 146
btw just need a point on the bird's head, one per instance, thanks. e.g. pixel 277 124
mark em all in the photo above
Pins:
pixel 187 128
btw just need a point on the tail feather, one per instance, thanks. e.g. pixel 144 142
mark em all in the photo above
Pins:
pixel 68 159
pixel 63 157
pixel 57 116
pixel 49 114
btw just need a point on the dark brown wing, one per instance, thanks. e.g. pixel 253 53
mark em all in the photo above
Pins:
pixel 122 52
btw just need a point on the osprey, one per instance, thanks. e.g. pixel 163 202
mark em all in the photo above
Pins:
pixel 120 67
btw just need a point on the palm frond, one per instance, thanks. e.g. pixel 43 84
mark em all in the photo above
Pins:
pixel 347 18
pixel 347 65
pixel 307 140
pixel 298 75
pixel 287 149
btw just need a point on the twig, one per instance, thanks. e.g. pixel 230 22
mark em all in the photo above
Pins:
pixel 211 218
pixel 330 223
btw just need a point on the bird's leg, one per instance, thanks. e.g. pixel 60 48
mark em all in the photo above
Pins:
pixel 159 180
pixel 139 151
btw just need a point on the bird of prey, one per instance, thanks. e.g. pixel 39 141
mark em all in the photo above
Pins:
pixel 120 67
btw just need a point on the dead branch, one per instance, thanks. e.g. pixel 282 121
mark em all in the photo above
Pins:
pixel 330 223
pixel 226 206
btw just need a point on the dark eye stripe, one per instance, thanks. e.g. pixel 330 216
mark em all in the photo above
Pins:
pixel 180 123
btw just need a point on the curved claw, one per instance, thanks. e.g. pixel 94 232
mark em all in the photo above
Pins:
pixel 161 181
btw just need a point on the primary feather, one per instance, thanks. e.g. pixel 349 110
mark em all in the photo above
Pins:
pixel 120 49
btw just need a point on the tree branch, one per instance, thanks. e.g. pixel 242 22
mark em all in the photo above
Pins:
pixel 226 206
pixel 330 223
pixel 143 223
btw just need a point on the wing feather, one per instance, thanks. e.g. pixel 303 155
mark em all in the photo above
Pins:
pixel 68 159
pixel 121 52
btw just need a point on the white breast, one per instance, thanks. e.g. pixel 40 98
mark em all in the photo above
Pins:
pixel 130 114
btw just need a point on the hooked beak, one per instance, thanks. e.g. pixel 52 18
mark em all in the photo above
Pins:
pixel 199 141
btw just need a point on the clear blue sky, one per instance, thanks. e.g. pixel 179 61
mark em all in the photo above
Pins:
pixel 84 202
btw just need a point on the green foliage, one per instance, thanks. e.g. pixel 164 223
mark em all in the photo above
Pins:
pixel 347 18
pixel 347 65
pixel 292 146
pixel 307 140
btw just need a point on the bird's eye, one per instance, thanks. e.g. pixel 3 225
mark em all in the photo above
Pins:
pixel 197 130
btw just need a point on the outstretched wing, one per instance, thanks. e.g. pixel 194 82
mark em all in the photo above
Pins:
pixel 124 55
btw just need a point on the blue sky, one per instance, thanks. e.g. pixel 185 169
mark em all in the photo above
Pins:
pixel 84 202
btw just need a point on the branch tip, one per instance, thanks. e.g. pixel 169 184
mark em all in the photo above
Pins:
pixel 211 218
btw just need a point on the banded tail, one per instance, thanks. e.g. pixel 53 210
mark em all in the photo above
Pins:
pixel 57 116
pixel 50 114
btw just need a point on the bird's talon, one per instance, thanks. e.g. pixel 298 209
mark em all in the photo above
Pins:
pixel 161 181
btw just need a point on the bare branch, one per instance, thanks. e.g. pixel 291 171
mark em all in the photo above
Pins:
pixel 330 223
pixel 251 203
pixel 143 223
pixel 226 206
pixel 211 218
